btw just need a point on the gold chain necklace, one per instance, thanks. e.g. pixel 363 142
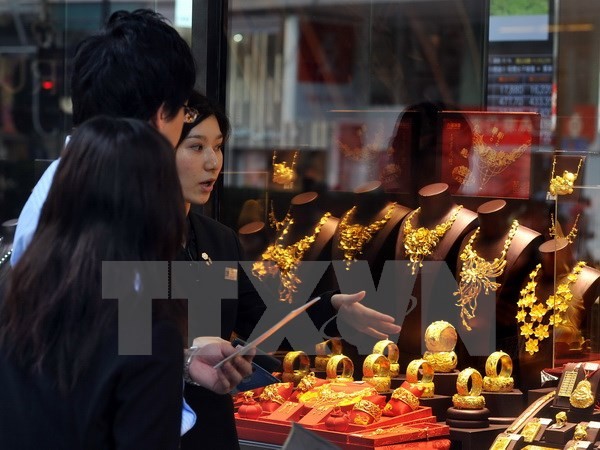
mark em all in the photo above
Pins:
pixel 287 260
pixel 353 237
pixel 476 273
pixel 558 303
pixel 421 242
pixel 278 224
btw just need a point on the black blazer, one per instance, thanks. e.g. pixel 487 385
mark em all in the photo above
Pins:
pixel 121 402
pixel 215 424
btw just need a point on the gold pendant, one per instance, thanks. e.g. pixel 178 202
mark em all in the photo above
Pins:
pixel 582 397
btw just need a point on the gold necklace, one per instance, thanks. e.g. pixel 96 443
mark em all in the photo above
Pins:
pixel 557 304
pixel 353 237
pixel 287 259
pixel 476 273
pixel 282 174
pixel 278 224
pixel 421 242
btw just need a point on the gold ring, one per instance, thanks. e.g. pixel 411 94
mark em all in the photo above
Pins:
pixel 440 336
pixel 412 371
pixel 347 368
pixel 491 365
pixel 468 401
pixel 404 395
pixel 462 382
pixel 441 361
pixel 392 355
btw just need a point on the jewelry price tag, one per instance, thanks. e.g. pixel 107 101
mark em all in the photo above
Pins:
pixel 594 424
pixel 546 421
pixel 591 366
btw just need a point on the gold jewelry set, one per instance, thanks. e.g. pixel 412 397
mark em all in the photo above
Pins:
pixel 425 383
pixel 563 185
pixel 286 259
pixel 466 398
pixel 353 237
pixel 498 382
pixel 421 242
pixel 477 274
pixel 271 393
pixel 490 162
pixel 282 173
pixel 440 340
pixel 532 312
pixel 292 374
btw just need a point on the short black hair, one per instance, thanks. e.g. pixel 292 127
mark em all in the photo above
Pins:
pixel 206 108
pixel 130 68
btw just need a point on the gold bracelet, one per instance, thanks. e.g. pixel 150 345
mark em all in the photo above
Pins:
pixel 323 354
pixel 425 384
pixel 498 384
pixel 406 396
pixel 440 336
pixel 347 368
pixel 307 383
pixel 468 401
pixel 376 372
pixel 295 375
pixel 271 394
pixel 392 355
pixel 462 382
pixel 369 408
pixel 441 361
pixel 491 365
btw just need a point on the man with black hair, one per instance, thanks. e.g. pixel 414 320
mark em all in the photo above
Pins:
pixel 137 66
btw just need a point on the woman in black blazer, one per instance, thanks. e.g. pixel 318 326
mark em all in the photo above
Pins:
pixel 199 158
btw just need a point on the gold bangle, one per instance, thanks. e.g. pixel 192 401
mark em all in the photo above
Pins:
pixel 381 384
pixel 295 375
pixel 427 389
pixel 347 368
pixel 376 365
pixel 440 336
pixel 462 382
pixel 412 371
pixel 468 401
pixel 323 353
pixel 491 365
pixel 392 355
pixel 581 431
pixel 406 396
pixel 369 408
pixel 441 361
pixel 498 384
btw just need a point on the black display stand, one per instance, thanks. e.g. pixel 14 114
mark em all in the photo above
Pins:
pixel 475 438
pixel 504 404
pixel 439 404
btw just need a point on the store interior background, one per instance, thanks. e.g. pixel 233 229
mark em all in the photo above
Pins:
pixel 331 79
